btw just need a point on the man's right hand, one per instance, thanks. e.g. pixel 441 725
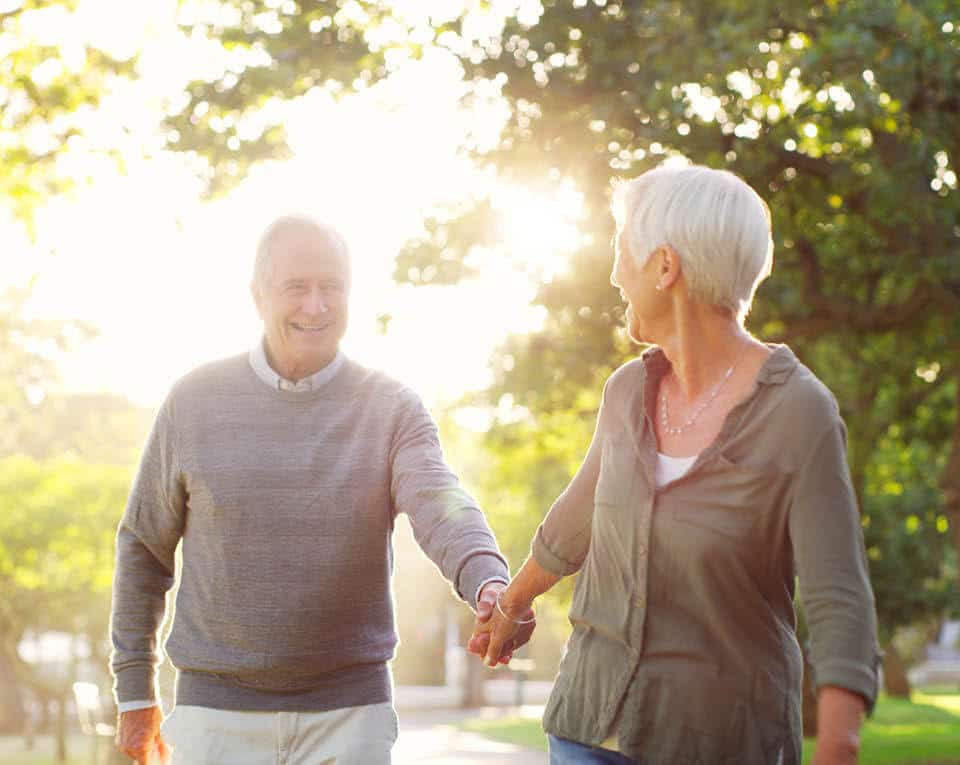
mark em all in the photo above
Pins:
pixel 139 736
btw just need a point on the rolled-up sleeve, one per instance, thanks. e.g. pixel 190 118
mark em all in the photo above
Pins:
pixel 832 566
pixel 562 540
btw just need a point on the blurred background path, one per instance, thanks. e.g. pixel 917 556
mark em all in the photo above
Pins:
pixel 435 737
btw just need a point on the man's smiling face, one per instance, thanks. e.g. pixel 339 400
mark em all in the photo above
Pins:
pixel 303 303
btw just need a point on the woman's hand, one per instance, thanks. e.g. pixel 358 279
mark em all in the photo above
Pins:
pixel 839 715
pixel 498 632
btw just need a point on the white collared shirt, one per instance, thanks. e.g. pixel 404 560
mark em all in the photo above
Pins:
pixel 260 364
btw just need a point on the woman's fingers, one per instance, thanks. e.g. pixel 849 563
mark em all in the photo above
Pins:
pixel 502 632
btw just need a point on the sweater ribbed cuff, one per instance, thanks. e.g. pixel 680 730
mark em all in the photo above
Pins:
pixel 135 683
pixel 479 567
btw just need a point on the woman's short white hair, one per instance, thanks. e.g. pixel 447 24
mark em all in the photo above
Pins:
pixel 295 225
pixel 718 226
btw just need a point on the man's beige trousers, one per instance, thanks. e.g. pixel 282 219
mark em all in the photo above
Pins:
pixel 352 736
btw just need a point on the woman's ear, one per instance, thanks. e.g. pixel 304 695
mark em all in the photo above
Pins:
pixel 668 266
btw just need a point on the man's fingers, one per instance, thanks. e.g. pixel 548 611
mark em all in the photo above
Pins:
pixel 138 752
pixel 484 609
pixel 163 750
pixel 485 603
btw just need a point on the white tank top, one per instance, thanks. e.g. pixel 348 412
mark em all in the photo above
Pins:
pixel 671 468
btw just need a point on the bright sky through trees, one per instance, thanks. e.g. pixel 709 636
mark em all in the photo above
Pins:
pixel 163 274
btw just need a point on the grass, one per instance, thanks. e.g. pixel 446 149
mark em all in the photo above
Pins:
pixel 922 731
pixel 523 731
pixel 12 751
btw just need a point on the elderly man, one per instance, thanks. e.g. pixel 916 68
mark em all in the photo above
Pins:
pixel 282 471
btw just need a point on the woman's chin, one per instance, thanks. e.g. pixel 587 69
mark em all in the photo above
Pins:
pixel 634 330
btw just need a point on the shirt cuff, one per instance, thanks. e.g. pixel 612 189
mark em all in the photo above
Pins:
pixel 133 706
pixel 487 581
pixel 853 676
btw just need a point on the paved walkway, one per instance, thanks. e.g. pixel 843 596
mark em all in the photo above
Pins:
pixel 434 738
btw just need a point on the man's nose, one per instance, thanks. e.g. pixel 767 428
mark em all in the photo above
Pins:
pixel 316 302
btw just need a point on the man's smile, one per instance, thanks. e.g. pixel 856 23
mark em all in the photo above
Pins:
pixel 311 327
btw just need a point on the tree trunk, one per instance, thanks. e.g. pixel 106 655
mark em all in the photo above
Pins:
pixel 29 725
pixel 895 681
pixel 950 483
pixel 11 697
pixel 61 729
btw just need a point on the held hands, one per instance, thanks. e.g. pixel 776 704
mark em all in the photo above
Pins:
pixel 499 631
pixel 138 736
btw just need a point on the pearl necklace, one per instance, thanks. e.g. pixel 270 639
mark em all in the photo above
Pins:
pixel 691 420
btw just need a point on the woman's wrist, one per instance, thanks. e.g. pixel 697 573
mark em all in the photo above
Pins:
pixel 839 717
pixel 514 608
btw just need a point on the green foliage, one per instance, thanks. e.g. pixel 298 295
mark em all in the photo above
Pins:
pixel 912 563
pixel 826 109
pixel 101 428
pixel 842 115
pixel 57 525
pixel 28 350
pixel 278 52
pixel 98 428
pixel 47 92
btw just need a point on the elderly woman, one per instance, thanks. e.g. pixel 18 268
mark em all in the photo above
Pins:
pixel 716 475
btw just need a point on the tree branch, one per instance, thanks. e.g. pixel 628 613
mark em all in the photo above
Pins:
pixel 865 318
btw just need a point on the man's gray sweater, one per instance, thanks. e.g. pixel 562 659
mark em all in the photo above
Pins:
pixel 285 502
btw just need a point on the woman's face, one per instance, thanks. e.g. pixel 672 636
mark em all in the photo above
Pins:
pixel 637 285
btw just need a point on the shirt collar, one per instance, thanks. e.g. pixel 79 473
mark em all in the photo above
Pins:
pixel 260 365
pixel 778 367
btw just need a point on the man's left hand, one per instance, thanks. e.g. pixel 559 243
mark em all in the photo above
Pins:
pixel 489 620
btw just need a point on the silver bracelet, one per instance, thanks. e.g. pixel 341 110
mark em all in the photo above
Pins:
pixel 531 620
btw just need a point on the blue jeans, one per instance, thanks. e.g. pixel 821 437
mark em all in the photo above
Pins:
pixel 566 752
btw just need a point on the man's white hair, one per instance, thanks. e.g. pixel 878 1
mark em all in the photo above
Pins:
pixel 718 226
pixel 293 225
